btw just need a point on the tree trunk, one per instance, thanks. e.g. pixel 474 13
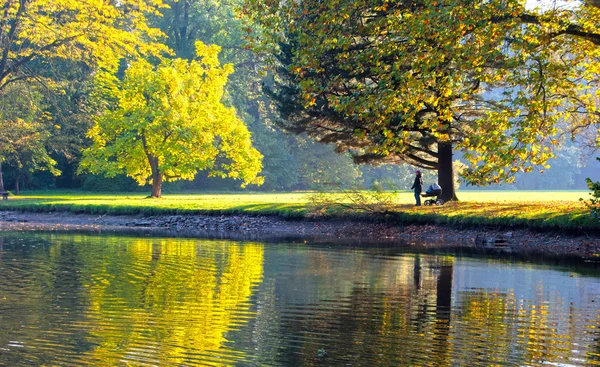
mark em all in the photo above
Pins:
pixel 1 179
pixel 17 184
pixel 157 176
pixel 156 185
pixel 446 171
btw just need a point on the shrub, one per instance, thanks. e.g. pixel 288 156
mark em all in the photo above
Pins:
pixel 378 199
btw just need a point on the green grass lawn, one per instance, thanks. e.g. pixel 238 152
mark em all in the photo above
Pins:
pixel 535 209
pixel 285 204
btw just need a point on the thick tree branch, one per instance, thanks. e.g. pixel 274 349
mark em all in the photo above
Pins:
pixel 569 29
pixel 10 36
pixel 23 61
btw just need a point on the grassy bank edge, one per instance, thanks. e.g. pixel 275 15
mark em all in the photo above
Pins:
pixel 575 223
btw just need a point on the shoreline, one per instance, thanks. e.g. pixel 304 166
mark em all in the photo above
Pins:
pixel 272 228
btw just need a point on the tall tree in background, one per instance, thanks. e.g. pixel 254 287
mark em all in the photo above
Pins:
pixel 168 123
pixel 68 104
pixel 412 81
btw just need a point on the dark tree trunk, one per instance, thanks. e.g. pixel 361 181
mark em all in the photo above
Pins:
pixel 446 171
pixel 180 32
pixel 156 185
pixel 17 184
pixel 1 179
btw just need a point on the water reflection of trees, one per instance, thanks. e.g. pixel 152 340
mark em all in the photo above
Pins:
pixel 191 297
pixel 404 311
pixel 38 284
pixel 392 313
pixel 110 301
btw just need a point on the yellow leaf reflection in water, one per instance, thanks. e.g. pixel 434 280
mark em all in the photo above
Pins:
pixel 171 301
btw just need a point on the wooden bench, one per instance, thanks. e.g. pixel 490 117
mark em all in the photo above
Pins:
pixel 4 195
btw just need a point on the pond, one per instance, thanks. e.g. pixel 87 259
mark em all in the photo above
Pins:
pixel 91 300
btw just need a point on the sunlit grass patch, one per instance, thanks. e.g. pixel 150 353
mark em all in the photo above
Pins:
pixel 557 214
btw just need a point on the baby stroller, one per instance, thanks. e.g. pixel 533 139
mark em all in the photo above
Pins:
pixel 433 190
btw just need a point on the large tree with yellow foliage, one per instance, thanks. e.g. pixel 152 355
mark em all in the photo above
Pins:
pixel 414 81
pixel 168 122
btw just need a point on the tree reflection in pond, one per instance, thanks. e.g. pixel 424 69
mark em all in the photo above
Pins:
pixel 143 301
pixel 77 300
pixel 189 295
pixel 408 310
pixel 374 313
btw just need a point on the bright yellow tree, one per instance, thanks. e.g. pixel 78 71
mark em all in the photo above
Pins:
pixel 168 122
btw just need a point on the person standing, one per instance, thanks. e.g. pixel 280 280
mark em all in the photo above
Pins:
pixel 418 187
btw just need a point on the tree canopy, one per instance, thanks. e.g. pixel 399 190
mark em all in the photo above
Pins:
pixel 168 122
pixel 496 83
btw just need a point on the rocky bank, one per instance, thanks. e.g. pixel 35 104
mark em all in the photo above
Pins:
pixel 270 228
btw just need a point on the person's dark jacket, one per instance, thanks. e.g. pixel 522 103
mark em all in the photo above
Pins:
pixel 418 185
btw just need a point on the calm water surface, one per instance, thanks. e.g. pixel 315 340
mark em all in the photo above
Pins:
pixel 76 300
